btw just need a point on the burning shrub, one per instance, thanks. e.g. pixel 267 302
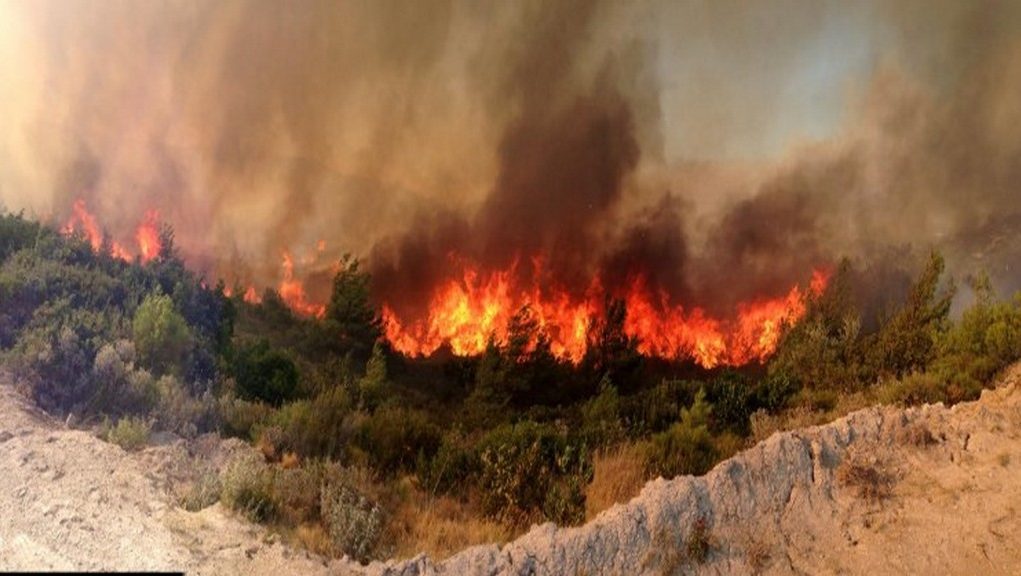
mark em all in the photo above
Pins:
pixel 687 447
pixel 530 469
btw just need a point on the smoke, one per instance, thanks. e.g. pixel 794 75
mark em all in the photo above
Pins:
pixel 680 142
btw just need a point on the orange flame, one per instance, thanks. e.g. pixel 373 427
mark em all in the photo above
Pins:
pixel 292 291
pixel 148 236
pixel 465 313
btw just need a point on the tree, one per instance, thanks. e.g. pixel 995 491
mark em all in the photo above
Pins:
pixel 907 342
pixel 162 337
pixel 611 352
pixel 687 447
pixel 351 323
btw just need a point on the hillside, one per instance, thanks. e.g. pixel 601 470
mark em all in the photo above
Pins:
pixel 917 490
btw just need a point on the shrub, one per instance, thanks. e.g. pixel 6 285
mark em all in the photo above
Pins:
pixel 353 522
pixel 913 389
pixel 161 335
pixel 320 427
pixel 687 447
pixel 266 374
pixel 453 466
pixel 239 417
pixel 731 402
pixel 600 417
pixel 180 412
pixel 202 493
pixel 529 469
pixel 372 387
pixel 248 487
pixel 866 476
pixel 130 433
pixel 699 542
pixel 120 387
pixel 394 437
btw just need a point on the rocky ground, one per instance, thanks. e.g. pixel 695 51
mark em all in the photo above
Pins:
pixel 926 490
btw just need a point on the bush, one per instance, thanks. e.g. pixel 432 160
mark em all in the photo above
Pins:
pixel 129 433
pixel 372 387
pixel 120 387
pixel 687 447
pixel 320 427
pixel 180 412
pixel 914 389
pixel 600 417
pixel 240 418
pixel 394 437
pixel 248 487
pixel 353 522
pixel 202 493
pixel 161 335
pixel 452 468
pixel 266 374
pixel 530 469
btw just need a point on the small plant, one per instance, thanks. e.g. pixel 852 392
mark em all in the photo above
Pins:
pixel 699 543
pixel 130 433
pixel 871 481
pixel 248 487
pixel 916 434
pixel 353 522
pixel 202 493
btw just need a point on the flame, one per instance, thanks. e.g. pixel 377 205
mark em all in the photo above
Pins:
pixel 292 291
pixel 148 236
pixel 83 221
pixel 466 312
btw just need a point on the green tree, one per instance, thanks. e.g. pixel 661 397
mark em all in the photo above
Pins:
pixel 351 325
pixel 687 447
pixel 162 337
pixel 907 342
pixel 372 386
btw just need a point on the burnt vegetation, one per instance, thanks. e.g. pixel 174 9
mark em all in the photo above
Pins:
pixel 354 436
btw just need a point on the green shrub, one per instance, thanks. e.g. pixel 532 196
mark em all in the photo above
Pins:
pixel 394 437
pixel 161 335
pixel 263 373
pixel 180 412
pixel 372 388
pixel 455 464
pixel 202 493
pixel 241 418
pixel 687 447
pixel 914 389
pixel 530 469
pixel 600 417
pixel 248 487
pixel 353 522
pixel 130 433
pixel 320 427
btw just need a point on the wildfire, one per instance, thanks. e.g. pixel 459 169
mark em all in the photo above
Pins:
pixel 147 236
pixel 465 313
pixel 292 291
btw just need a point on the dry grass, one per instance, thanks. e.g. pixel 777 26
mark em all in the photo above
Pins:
pixel 867 475
pixel 313 537
pixel 619 475
pixel 441 526
pixel 916 434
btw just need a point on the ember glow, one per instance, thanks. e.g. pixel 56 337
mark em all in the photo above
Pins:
pixel 467 312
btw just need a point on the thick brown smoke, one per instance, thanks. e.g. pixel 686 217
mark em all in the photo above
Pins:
pixel 416 133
